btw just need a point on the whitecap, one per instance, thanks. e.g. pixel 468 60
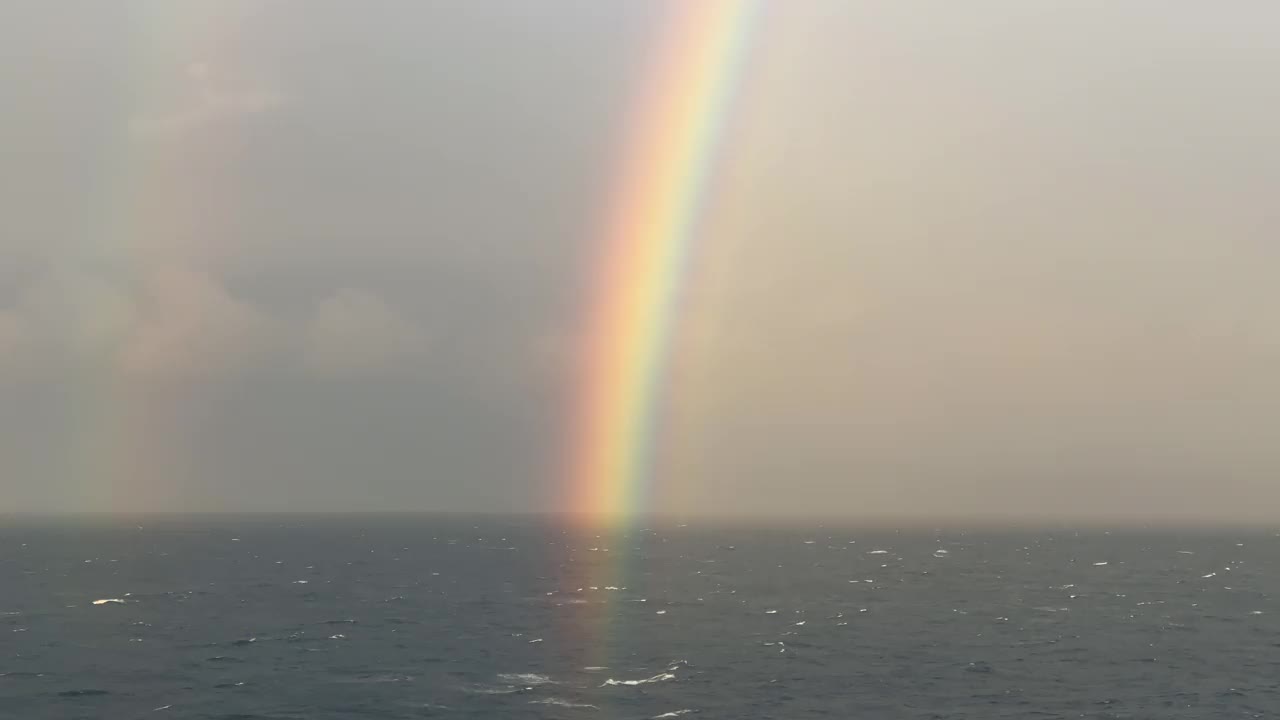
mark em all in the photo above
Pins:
pixel 1099 564
pixel 656 678
pixel 525 679
pixel 877 552
pixel 492 690
pixel 563 703
pixel 109 601
pixel 672 714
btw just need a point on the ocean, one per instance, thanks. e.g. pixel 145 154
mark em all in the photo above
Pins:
pixel 471 617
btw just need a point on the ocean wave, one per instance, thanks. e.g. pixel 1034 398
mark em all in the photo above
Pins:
pixel 507 690
pixel 558 702
pixel 525 679
pixel 656 678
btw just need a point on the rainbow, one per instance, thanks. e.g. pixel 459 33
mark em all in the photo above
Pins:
pixel 670 149
pixel 156 196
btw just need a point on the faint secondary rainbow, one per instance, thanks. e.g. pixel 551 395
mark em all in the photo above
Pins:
pixel 158 185
pixel 670 148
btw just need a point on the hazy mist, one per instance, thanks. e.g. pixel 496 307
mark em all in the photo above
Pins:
pixel 990 258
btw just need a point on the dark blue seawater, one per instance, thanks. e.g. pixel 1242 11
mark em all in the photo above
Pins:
pixel 399 617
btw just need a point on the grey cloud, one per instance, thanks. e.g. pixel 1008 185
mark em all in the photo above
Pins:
pixel 12 335
pixel 174 322
pixel 190 325
pixel 354 332
pixel 204 100
pixel 72 313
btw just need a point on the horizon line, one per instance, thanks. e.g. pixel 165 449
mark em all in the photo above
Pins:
pixel 879 521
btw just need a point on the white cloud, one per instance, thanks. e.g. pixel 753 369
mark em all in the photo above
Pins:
pixel 355 332
pixel 170 322
pixel 179 323
pixel 192 326
pixel 207 98
pixel 72 312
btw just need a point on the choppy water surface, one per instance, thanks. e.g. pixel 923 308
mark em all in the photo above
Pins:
pixel 492 618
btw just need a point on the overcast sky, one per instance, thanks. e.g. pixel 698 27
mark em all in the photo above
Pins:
pixel 990 257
